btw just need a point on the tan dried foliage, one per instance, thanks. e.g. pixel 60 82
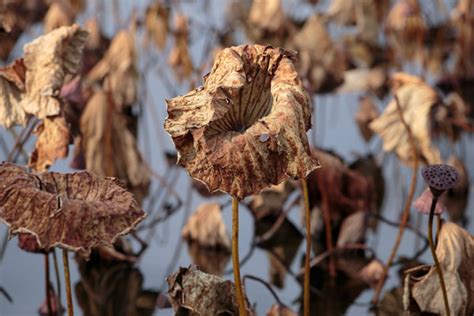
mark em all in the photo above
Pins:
pixel 366 113
pixel 180 59
pixel 364 80
pixel 321 64
pixel 353 229
pixel 280 310
pixel 117 71
pixel 416 100
pixel 343 11
pixel 52 143
pixel 462 19
pixel 266 15
pixel 455 252
pixel 32 86
pixel 109 148
pixel 75 211
pixel 456 199
pixel 199 294
pixel 59 14
pixel 372 273
pixel 207 228
pixel 212 261
pixel 245 129
pixel 271 201
pixel 156 24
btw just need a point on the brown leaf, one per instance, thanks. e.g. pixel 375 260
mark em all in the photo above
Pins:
pixel 48 59
pixel 11 86
pixel 59 14
pixel 156 24
pixel 109 148
pixel 52 143
pixel 366 113
pixel 267 15
pixel 202 294
pixel 117 70
pixel 212 261
pixel 372 273
pixel 416 100
pixel 75 211
pixel 206 227
pixel 246 128
pixel 455 252
pixel 456 198
pixel 353 229
pixel 280 310
pixel 179 58
pixel 271 201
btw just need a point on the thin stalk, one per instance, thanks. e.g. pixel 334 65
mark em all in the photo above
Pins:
pixel 58 282
pixel 67 279
pixel 438 228
pixel 435 258
pixel 46 274
pixel 235 257
pixel 306 289
pixel 327 224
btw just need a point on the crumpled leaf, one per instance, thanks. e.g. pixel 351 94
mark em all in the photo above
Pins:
pixel 11 92
pixel 455 252
pixel 206 227
pixel 416 100
pixel 156 24
pixel 117 70
pixel 201 294
pixel 366 113
pixel 75 211
pixel 179 58
pixel 52 143
pixel 280 310
pixel 48 59
pixel 246 128
pixel 109 148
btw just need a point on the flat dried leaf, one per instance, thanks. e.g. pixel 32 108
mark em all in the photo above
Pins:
pixel 117 70
pixel 48 59
pixel 52 143
pixel 366 113
pixel 202 294
pixel 455 252
pixel 75 211
pixel 416 100
pixel 109 148
pixel 246 128
pixel 206 227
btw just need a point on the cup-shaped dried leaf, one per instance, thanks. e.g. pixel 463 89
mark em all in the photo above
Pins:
pixel 200 294
pixel 206 227
pixel 75 211
pixel 48 59
pixel 416 100
pixel 117 69
pixel 52 143
pixel 246 128
pixel 455 252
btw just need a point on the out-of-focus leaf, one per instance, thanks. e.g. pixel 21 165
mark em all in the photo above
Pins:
pixel 271 201
pixel 11 92
pixel 392 303
pixel 59 14
pixel 353 229
pixel 455 252
pixel 52 143
pixel 456 198
pixel 212 261
pixel 267 16
pixel 463 21
pixel 198 294
pixel 156 24
pixel 75 211
pixel 416 100
pixel 179 58
pixel 366 113
pixel 280 310
pixel 206 227
pixel 372 273
pixel 109 148
pixel 363 80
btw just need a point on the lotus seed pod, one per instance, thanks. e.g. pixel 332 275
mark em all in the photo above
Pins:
pixel 440 178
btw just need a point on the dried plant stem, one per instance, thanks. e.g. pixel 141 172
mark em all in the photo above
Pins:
pixel 58 282
pixel 438 228
pixel 406 210
pixel 435 258
pixel 46 281
pixel 306 288
pixel 67 280
pixel 328 226
pixel 235 257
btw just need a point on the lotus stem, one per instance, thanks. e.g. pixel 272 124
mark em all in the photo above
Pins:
pixel 435 258
pixel 235 257
pixel 438 228
pixel 58 282
pixel 67 279
pixel 46 273
pixel 306 288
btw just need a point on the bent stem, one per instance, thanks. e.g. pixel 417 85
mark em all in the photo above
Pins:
pixel 306 288
pixel 235 256
pixel 435 258
pixel 67 279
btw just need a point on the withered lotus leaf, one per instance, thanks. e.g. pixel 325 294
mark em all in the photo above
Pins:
pixel 366 113
pixel 206 227
pixel 245 129
pixel 75 211
pixel 280 310
pixel 59 14
pixel 179 58
pixel 199 294
pixel 31 86
pixel 455 252
pixel 156 24
pixel 416 100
